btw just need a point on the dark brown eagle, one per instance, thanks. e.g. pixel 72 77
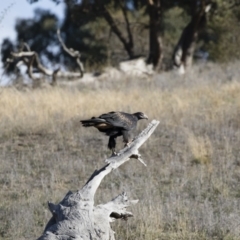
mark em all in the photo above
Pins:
pixel 115 124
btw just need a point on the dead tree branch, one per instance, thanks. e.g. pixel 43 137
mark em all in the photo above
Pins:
pixel 76 217
pixel 31 60
pixel 73 53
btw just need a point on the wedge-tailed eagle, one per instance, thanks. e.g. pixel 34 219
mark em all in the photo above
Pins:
pixel 115 124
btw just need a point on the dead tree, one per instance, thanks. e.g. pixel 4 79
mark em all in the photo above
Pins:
pixel 32 61
pixel 183 52
pixel 76 217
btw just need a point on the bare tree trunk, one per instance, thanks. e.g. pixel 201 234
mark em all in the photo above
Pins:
pixel 129 31
pixel 127 43
pixel 183 52
pixel 76 217
pixel 99 8
pixel 155 42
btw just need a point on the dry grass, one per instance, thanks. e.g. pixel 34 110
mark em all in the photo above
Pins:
pixel 189 189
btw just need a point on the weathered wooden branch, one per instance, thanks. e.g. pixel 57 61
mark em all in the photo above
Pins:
pixel 76 217
pixel 29 63
pixel 73 53
pixel 31 60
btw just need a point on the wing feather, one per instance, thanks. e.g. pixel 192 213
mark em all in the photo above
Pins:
pixel 120 119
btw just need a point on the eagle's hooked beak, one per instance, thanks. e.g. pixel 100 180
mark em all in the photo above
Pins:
pixel 145 116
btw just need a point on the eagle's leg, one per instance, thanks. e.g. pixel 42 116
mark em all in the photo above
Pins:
pixel 128 144
pixel 112 144
pixel 126 138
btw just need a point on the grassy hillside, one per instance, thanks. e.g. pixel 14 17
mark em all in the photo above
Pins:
pixel 190 189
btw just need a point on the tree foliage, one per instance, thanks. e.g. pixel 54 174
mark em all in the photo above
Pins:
pixel 222 37
pixel 108 31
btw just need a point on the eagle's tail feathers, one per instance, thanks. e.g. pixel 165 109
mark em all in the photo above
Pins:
pixel 92 122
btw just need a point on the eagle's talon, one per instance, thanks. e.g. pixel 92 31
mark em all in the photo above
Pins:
pixel 128 144
pixel 114 154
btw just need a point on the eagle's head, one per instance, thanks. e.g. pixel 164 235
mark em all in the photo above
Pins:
pixel 140 115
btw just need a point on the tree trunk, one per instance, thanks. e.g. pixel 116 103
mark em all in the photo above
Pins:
pixel 76 217
pixel 127 43
pixel 183 52
pixel 99 9
pixel 155 42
